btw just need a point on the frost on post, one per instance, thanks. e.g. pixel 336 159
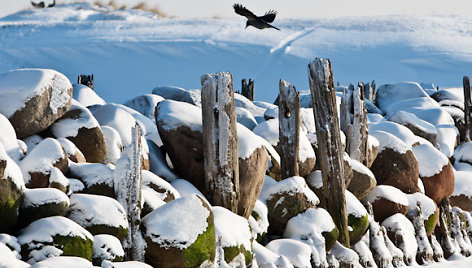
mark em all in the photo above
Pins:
pixel 220 141
pixel 289 129
pixel 128 192
pixel 354 122
pixel 328 135
pixel 425 251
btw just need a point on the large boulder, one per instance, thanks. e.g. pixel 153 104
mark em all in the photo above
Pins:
pixel 286 199
pixel 38 163
pixel 32 99
pixel 54 236
pixel 79 126
pixel 180 127
pixel 386 201
pixel 180 234
pixel 11 191
pixel 435 171
pixel 395 164
pixel 418 126
pixel 389 94
pixel 99 214
pixel 362 181
pixel 235 235
pixel 402 233
pixel 42 203
pixel 71 150
pixel 86 96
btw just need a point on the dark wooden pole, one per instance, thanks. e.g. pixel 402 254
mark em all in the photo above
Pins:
pixel 289 129
pixel 247 89
pixel 467 108
pixel 329 142
pixel 220 141
pixel 86 80
pixel 358 145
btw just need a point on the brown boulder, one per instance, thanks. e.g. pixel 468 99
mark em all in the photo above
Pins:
pixel 362 181
pixel 395 164
pixel 435 172
pixel 72 152
pixel 462 195
pixel 38 98
pixel 386 201
pixel 97 178
pixel 38 163
pixel 79 126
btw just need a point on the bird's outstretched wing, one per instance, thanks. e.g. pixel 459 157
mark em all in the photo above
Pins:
pixel 239 9
pixel 269 16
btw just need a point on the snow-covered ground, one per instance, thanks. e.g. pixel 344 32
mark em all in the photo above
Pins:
pixel 131 52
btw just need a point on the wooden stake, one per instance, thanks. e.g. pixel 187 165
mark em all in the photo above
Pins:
pixel 86 80
pixel 220 141
pixel 247 89
pixel 467 108
pixel 289 129
pixel 329 142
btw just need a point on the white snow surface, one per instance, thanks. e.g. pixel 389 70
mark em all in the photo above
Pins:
pixel 289 186
pixel 8 138
pixel 9 260
pixel 178 223
pixel 86 96
pixel 298 253
pixel 403 117
pixel 63 261
pixel 400 223
pixel 463 153
pixel 233 229
pixel 400 131
pixel 89 210
pixel 359 167
pixel 269 130
pixel 40 196
pixel 185 188
pixel 69 127
pixel 388 192
pixel 113 142
pixel 312 222
pixel 248 142
pixel 44 229
pixel 148 178
pixel 41 158
pixel 354 207
pixel 19 86
pixel 430 160
pixel 389 94
pixel 113 116
pixel 259 226
pixel 462 183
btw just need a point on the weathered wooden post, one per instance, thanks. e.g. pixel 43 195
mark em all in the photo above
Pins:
pixel 442 231
pixel 127 184
pixel 247 89
pixel 425 252
pixel 467 108
pixel 220 141
pixel 86 80
pixel 354 123
pixel 329 142
pixel 289 129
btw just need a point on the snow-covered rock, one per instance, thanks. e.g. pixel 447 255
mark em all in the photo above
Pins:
pixel 41 203
pixel 386 201
pixel 362 181
pixel 8 139
pixel 32 99
pixel 113 143
pixel 180 233
pixel 106 247
pixel 298 253
pixel 179 94
pixel 97 178
pixel 63 261
pixel 55 236
pixel 429 210
pixel 234 236
pixel 165 190
pixel 79 126
pixel 86 96
pixel 99 214
pixel 436 172
pixel 71 150
pixel 462 195
pixel 286 199
pixel 389 94
pixel 114 116
pixel 145 104
pixel 12 185
pixel 402 230
pixel 245 118
pixel 395 163
pixel 398 130
pixel 417 126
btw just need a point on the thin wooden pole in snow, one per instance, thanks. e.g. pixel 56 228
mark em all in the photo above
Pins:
pixel 289 129
pixel 320 76
pixel 358 145
pixel 220 141
pixel 467 108
pixel 128 192
pixel 247 89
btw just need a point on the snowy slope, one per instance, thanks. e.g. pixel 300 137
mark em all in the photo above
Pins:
pixel 130 51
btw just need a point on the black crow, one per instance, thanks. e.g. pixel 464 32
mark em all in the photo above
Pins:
pixel 255 21
pixel 42 5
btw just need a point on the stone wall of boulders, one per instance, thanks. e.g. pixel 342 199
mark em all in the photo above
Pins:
pixel 58 155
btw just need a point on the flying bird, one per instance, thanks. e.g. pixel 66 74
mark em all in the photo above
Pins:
pixel 42 5
pixel 255 21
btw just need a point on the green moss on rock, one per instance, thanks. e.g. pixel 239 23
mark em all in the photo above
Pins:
pixel 74 246
pixel 204 248
pixel 30 214
pixel 359 227
pixel 234 251
pixel 431 222
pixel 10 199
pixel 330 238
